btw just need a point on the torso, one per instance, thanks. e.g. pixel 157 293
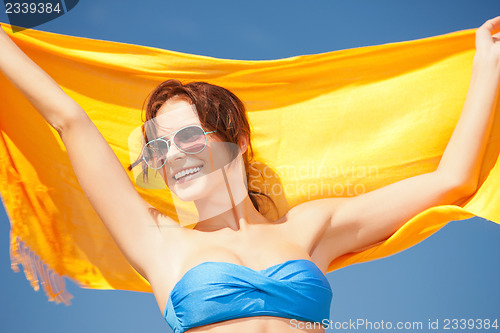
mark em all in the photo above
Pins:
pixel 262 246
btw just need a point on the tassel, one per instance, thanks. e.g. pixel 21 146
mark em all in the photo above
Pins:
pixel 33 267
pixel 14 262
pixel 38 272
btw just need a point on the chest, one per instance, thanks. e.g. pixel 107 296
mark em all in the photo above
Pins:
pixel 258 250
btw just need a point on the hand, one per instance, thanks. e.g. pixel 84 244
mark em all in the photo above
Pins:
pixel 488 41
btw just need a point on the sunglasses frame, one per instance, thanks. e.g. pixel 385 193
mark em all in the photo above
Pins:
pixel 173 141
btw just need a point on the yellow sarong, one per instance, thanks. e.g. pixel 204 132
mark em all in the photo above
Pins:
pixel 339 124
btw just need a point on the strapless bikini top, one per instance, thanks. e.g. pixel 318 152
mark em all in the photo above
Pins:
pixel 216 291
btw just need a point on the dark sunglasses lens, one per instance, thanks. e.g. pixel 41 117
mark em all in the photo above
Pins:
pixel 155 153
pixel 191 139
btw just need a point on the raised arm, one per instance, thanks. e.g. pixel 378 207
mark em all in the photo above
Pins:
pixel 352 224
pixel 39 88
pixel 126 215
pixel 464 153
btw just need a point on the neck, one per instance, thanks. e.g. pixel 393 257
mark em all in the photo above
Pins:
pixel 228 206
pixel 237 218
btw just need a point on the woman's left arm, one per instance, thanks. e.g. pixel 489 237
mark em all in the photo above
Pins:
pixel 464 153
pixel 352 224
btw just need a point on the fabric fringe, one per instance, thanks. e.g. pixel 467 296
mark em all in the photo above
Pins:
pixel 37 271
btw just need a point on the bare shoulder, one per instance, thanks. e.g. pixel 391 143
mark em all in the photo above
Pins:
pixel 307 222
pixel 315 211
pixel 171 236
pixel 168 227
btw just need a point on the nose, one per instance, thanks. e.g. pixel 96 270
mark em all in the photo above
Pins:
pixel 174 153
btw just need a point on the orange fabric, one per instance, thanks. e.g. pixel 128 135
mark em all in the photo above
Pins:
pixel 334 124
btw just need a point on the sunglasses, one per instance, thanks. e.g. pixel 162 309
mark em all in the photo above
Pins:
pixel 191 139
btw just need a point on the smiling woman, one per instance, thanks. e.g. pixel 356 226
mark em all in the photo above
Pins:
pixel 215 110
pixel 238 268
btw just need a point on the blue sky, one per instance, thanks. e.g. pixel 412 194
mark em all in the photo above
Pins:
pixel 453 274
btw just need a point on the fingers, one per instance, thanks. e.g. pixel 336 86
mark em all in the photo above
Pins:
pixel 484 33
pixel 492 25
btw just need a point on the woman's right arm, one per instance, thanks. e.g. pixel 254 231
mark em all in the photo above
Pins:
pixel 39 88
pixel 126 215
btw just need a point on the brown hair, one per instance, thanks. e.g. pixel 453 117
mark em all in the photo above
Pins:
pixel 218 110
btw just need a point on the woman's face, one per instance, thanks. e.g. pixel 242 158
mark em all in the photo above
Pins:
pixel 187 175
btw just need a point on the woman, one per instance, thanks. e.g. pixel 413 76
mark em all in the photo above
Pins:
pixel 286 268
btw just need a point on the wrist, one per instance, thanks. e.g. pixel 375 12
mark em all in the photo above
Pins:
pixel 486 62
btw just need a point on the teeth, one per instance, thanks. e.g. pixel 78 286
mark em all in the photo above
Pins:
pixel 186 172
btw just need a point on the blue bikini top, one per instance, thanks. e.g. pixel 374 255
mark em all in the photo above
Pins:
pixel 216 291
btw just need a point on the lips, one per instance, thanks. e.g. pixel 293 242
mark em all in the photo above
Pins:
pixel 186 173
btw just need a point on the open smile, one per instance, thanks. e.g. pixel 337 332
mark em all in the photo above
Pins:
pixel 187 174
